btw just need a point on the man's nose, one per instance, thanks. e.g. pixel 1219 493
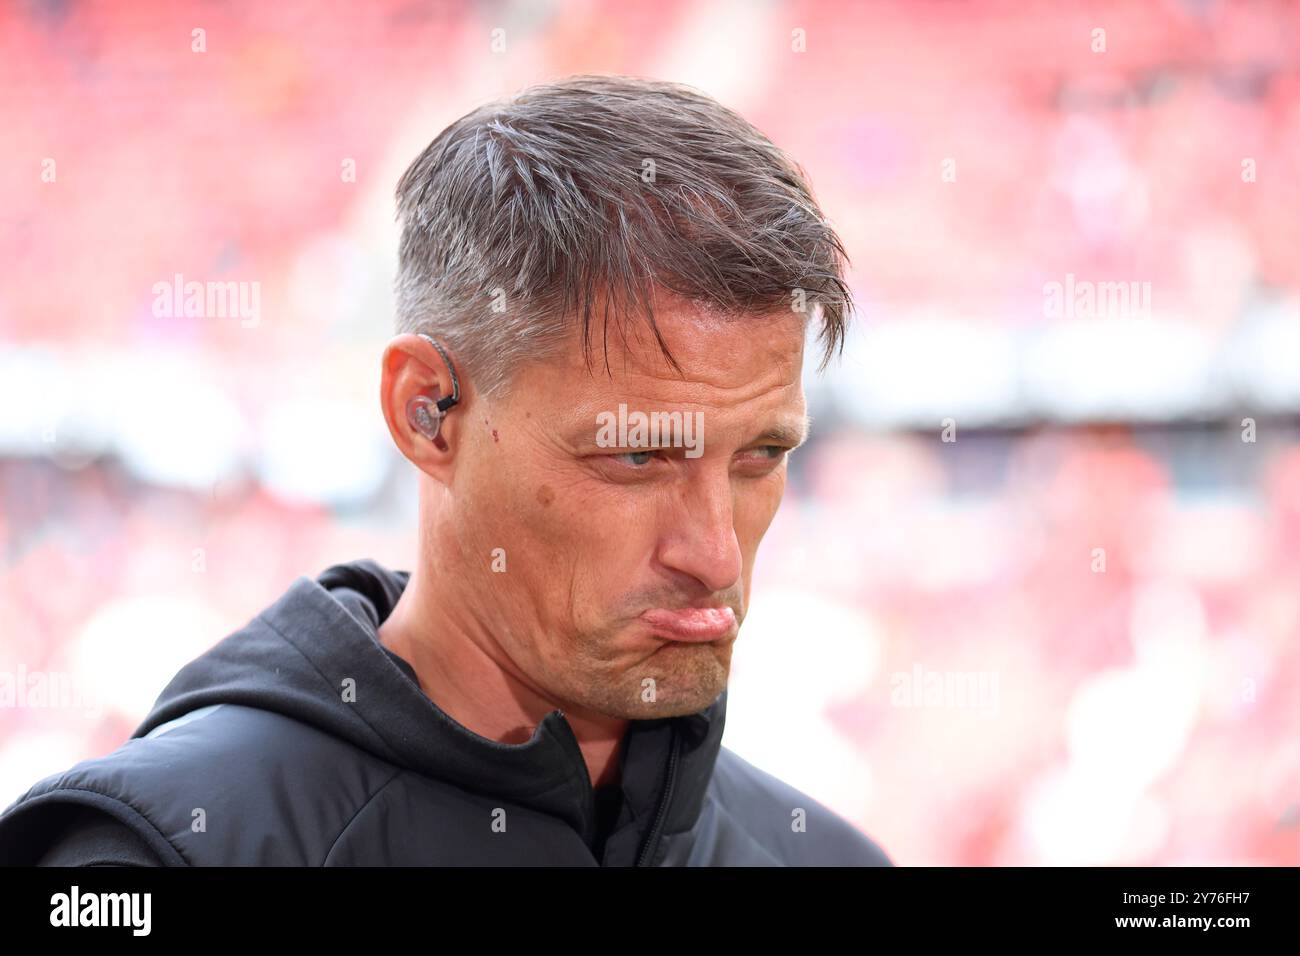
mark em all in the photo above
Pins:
pixel 700 539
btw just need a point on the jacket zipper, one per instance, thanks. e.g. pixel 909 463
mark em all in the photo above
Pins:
pixel 652 839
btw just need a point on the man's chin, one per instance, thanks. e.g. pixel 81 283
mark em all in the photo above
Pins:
pixel 682 691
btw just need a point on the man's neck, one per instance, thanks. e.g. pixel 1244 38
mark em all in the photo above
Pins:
pixel 462 669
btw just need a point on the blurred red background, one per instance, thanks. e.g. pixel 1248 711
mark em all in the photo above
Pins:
pixel 1108 551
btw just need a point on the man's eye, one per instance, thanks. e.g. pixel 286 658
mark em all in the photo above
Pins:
pixel 634 458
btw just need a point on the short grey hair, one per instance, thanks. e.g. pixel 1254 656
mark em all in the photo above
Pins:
pixel 598 192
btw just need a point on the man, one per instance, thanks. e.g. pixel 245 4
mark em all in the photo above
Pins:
pixel 548 685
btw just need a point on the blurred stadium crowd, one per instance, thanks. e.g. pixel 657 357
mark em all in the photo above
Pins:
pixel 1031 596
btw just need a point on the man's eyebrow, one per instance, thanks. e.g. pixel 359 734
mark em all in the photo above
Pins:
pixel 792 432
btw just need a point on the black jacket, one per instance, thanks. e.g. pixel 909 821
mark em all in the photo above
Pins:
pixel 254 755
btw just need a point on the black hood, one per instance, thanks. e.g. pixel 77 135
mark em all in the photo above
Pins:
pixel 297 657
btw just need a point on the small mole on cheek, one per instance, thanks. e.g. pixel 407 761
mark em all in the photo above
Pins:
pixel 495 436
pixel 545 495
pixel 528 414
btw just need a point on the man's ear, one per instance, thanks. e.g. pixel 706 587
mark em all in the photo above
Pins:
pixel 410 367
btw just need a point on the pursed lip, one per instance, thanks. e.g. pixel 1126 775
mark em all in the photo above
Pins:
pixel 692 624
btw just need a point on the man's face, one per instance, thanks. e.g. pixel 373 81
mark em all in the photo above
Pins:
pixel 603 547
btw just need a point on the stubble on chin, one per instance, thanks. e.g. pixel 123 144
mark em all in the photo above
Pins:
pixel 677 679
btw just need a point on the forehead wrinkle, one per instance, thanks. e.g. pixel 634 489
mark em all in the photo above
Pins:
pixel 646 383
pixel 700 339
pixel 698 396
